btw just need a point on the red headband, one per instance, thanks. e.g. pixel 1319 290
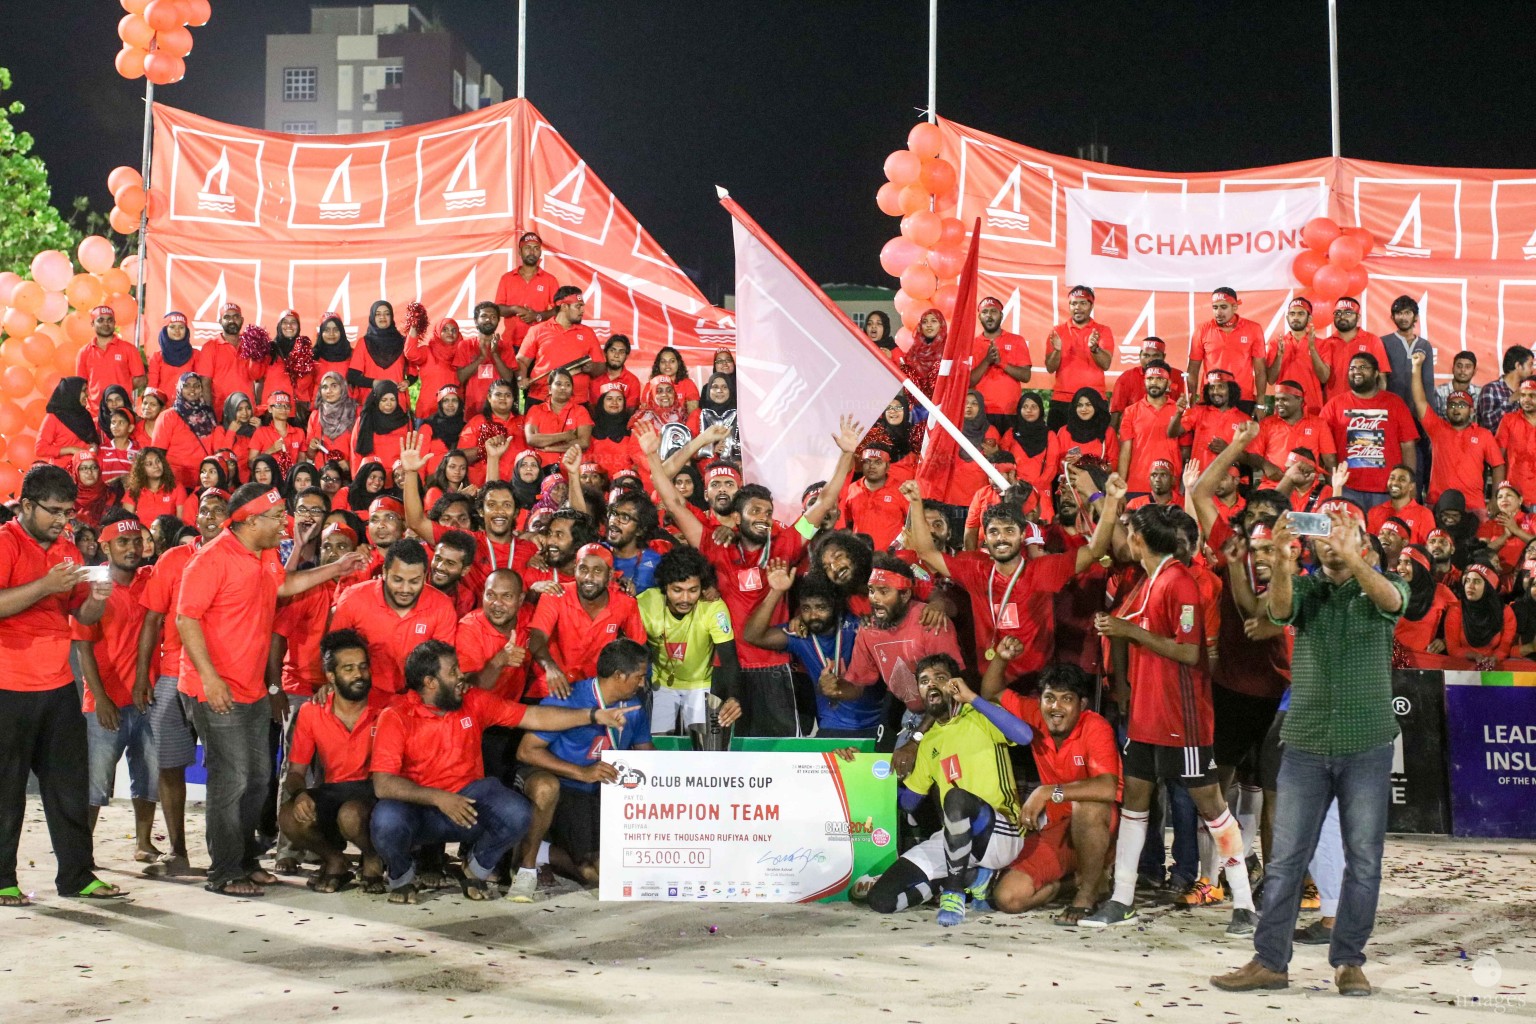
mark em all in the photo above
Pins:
pixel 1219 377
pixel 1300 303
pixel 718 471
pixel 447 389
pixel 99 310
pixel 279 396
pixel 1489 576
pixel 285 314
pixel 1080 292
pixel 230 307
pixel 1529 384
pixel 121 528
pixel 1389 526
pixel 1224 297
pixel 341 528
pixel 387 504
pixel 887 578
pixel 591 467
pixel 529 235
pixel 874 453
pixel 174 318
pixel 1437 533
pixel 1462 398
pixel 1348 303
pixel 570 299
pixel 1164 463
pixel 1418 556
pixel 612 385
pixel 1295 457
pixel 1156 373
pixel 152 392
pixel 989 303
pixel 1506 485
pixel 213 492
pixel 255 507
pixel 1154 345
pixel 596 551
pixel 1340 505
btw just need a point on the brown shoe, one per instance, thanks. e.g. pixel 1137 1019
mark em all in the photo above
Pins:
pixel 1253 977
pixel 1349 979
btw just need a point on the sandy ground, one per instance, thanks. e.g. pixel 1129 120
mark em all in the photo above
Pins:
pixel 1456 941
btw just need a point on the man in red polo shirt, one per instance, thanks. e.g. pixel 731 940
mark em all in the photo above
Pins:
pixel 493 641
pixel 218 361
pixel 1292 427
pixel 336 737
pixel 1228 342
pixel 1078 353
pixel 569 629
pixel 561 342
pixel 1401 504
pixel 108 652
pixel 451 560
pixel 765 687
pixel 42 584
pixel 1349 341
pixel 1144 437
pixel 524 296
pixel 1130 386
pixel 615 354
pixel 1294 356
pixel 1000 364
pixel 873 504
pixel 429 776
pixel 1462 447
pixel 394 614
pixel 228 601
pixel 1517 436
pixel 109 359
pixel 1069 817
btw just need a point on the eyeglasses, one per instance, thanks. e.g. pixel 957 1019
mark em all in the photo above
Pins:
pixel 308 513
pixel 53 510
pixel 274 517
pixel 330 478
pixel 622 517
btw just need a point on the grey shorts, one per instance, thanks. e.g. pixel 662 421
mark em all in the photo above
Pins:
pixel 133 737
pixel 170 719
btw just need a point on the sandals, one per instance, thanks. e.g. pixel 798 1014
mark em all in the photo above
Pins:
pixel 374 885
pixel 14 897
pixel 99 890
pixel 405 894
pixel 475 889
pixel 254 891
pixel 327 884
pixel 1071 916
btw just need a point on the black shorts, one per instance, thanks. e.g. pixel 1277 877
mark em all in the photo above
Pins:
pixel 1242 722
pixel 1269 755
pixel 1190 767
pixel 329 798
pixel 576 828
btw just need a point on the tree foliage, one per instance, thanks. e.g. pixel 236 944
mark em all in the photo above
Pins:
pixel 29 222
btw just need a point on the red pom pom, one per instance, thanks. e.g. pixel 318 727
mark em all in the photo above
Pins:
pixel 300 360
pixel 284 460
pixel 415 318
pixel 255 344
pixel 487 431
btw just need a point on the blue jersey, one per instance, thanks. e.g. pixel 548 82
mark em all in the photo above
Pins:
pixel 641 569
pixel 585 744
pixel 864 712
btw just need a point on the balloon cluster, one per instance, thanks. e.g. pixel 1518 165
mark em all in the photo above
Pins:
pixel 929 253
pixel 129 198
pixel 46 321
pixel 1329 267
pixel 156 39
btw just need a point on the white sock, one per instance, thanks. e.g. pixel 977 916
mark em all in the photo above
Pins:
pixel 1207 857
pixel 528 871
pixel 1228 840
pixel 543 857
pixel 1133 834
pixel 1250 805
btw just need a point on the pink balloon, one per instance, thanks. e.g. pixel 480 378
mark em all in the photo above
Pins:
pixel 945 298
pixel 130 266
pixel 922 228
pixel 96 254
pixel 889 199
pixel 52 270
pixel 898 254
pixel 938 176
pixel 55 305
pixel 1319 233
pixel 946 263
pixel 903 302
pixel 903 167
pixel 925 140
pixel 8 282
pixel 1358 280
pixel 918 281
pixel 952 234
pixel 904 338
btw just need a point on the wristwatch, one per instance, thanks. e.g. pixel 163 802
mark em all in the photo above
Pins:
pixel 592 716
pixel 1057 795
pixel 916 737
pixel 991 654
pixel 273 689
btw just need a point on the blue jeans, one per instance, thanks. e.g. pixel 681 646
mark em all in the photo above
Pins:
pixel 239 765
pixel 1174 802
pixel 1362 784
pixel 133 736
pixel 502 818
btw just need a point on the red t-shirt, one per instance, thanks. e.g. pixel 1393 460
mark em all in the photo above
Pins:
pixel 160 595
pixel 1170 702
pixel 37 638
pixel 743 583
pixel 233 595
pixel 576 638
pixel 1145 426
pixel 1025 611
pixel 536 293
pixel 892 654
pixel 1000 392
pixel 469 438
pixel 1368 434
pixel 1077 368
pixel 116 640
pixel 116 363
pixel 478 643
pixel 1415 635
pixel 1517 436
pixel 1087 752
pixel 881 513
pixel 149 505
pixel 1203 423
pixel 1418 517
pixel 1254 668
pixel 1232 350
pixel 1277 439
pixel 438 749
pixel 626 380
pixel 550 345
pixel 301 621
pixel 391 636
pixel 294 442
pixel 343 754
pixel 544 420
pixel 1106 448
pixel 1460 456
pixel 490 556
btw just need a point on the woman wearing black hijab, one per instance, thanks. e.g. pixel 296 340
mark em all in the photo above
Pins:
pixel 1087 429
pixel 382 424
pixel 371 481
pixel 447 421
pixel 333 352
pixel 1480 628
pixel 1034 447
pixel 68 426
pixel 717 404
pixel 381 356
pixel 1418 631
pixel 877 327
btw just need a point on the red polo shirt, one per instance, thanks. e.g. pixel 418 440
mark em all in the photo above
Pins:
pixel 478 643
pixel 743 583
pixel 1131 387
pixel 1460 456
pixel 1077 368
pixel 1337 353
pixel 218 363
pixel 1145 426
pixel 490 556
pixel 35 642
pixel 1277 439
pixel 1296 365
pixel 1517 436
pixel 549 345
pixel 232 593
pixel 343 753
pixel 576 638
pixel 513 289
pixel 1087 752
pixel 1204 423
pixel 1420 518
pixel 1000 391
pixel 116 642
pixel 881 513
pixel 438 749
pixel 1233 349
pixel 391 636
pixel 160 595
pixel 544 420
pixel 117 363
pixel 892 654
pixel 301 622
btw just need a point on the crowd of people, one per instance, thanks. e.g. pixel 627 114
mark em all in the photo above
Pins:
pixel 434 576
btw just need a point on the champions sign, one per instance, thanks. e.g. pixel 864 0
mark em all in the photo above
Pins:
pixel 1159 241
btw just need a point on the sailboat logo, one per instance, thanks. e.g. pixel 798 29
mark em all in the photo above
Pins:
pixel 336 203
pixel 1006 209
pixel 464 191
pixel 568 209
pixel 217 200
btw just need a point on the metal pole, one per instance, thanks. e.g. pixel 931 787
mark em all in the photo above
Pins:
pixel 149 133
pixel 522 45
pixel 1333 70
pixel 933 60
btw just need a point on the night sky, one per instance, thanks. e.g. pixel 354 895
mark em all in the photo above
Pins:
pixel 793 105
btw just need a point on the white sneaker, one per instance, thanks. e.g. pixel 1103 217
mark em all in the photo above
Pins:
pixel 525 884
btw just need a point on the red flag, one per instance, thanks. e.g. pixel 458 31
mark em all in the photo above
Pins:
pixel 941 450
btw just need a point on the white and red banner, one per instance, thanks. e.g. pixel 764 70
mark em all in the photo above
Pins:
pixel 1460 241
pixel 801 365
pixel 430 212
pixel 1187 241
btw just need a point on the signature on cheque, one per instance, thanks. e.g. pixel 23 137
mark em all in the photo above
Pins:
pixel 799 859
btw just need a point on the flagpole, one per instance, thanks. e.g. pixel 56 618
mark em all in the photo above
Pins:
pixel 144 170
pixel 522 46
pixel 1333 70
pixel 955 432
pixel 933 61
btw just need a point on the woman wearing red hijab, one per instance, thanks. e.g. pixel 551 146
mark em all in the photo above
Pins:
pixel 435 360
pixel 921 363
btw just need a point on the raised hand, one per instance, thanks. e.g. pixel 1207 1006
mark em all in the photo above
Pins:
pixel 1115 488
pixel 1191 474
pixel 1009 647
pixel 1054 340
pixel 849 434
pixel 646 437
pixel 571 461
pixel 497 445
pixel 911 490
pixel 1246 433
pixel 1340 478
pixel 781 575
pixel 411 459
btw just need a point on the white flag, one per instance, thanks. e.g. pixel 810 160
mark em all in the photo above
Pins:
pixel 800 365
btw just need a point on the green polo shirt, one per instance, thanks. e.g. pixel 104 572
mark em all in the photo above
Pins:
pixel 1341 669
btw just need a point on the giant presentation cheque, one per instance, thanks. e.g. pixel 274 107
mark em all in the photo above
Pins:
pixel 776 828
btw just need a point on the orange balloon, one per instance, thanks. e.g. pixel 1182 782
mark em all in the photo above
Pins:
pixel 28 297
pixel 130 266
pixel 918 281
pixel 197 12
pixel 123 223
pixel 162 15
pixel 135 31
pixel 938 176
pixel 889 199
pixel 946 263
pixel 16 380
pixel 903 167
pixel 18 323
pixel 122 176
pixel 11 419
pixel 53 332
pixel 84 291
pixel 21 450
pixel 48 379
pixel 37 348
pixel 163 68
pixel 130 62
pixel 78 329
pixel 925 140
pixel 65 357
pixel 945 298
pixel 913 199
pixel 124 309
pixel 130 199
pixel 904 303
pixel 134 6
pixel 175 41
pixel 96 254
pixel 115 282
pixel 55 305
pixel 922 228
pixel 904 337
